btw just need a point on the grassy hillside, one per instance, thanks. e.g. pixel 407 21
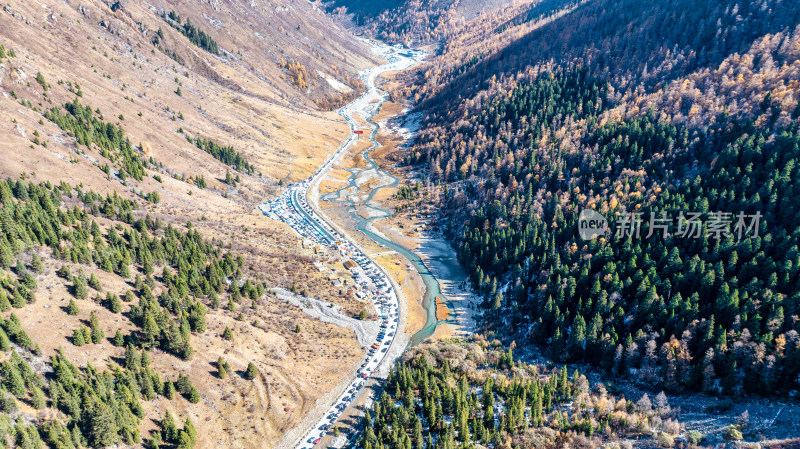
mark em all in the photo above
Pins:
pixel 137 275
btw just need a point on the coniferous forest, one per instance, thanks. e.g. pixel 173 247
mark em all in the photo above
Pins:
pixel 195 35
pixel 103 407
pixel 531 137
pixel 475 394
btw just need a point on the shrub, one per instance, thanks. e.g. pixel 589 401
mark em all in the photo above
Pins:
pixel 665 440
pixel 732 433
pixel 64 272
pixel 694 437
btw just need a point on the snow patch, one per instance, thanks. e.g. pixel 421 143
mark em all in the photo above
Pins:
pixel 334 83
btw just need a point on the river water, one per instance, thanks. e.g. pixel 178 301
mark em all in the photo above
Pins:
pixel 340 196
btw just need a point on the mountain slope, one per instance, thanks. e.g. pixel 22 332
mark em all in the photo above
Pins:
pixel 138 140
pixel 629 111
pixel 415 22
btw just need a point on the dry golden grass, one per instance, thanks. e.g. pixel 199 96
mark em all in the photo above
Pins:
pixel 294 369
pixel 239 100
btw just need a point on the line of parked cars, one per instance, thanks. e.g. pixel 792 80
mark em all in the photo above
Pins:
pixel 292 207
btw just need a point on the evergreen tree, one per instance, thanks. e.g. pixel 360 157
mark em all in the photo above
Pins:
pixel 251 372
pixel 169 390
pixel 227 334
pixel 97 334
pixel 222 368
pixel 36 264
pixel 78 337
pixel 118 340
pixel 79 289
pixel 38 399
pixel 169 429
pixel 12 379
pixel 72 308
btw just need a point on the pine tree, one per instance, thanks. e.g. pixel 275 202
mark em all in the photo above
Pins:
pixel 194 395
pixel 190 430
pixel 18 300
pixel 418 440
pixel 36 264
pixel 5 304
pixel 12 379
pixel 251 371
pixel 118 340
pixel 155 440
pixel 183 384
pixel 227 334
pixel 463 427
pixel 94 324
pixel 38 399
pixel 169 390
pixel 145 358
pixel 5 344
pixel 222 368
pixel 133 360
pixel 79 289
pixel 94 282
pixel 77 337
pixel 576 339
pixel 169 429
pixel 72 308
pixel 113 302
pixel 150 330
pixel 557 346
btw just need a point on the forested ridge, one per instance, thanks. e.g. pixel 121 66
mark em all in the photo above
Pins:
pixel 474 394
pixel 631 43
pixel 99 408
pixel 647 117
